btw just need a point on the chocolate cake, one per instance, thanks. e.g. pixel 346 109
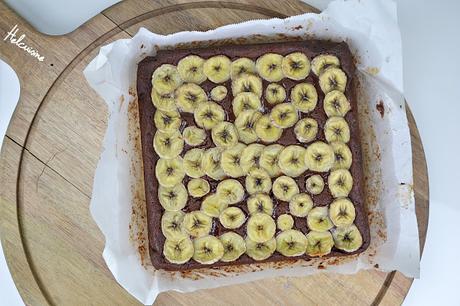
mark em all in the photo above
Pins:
pixel 251 154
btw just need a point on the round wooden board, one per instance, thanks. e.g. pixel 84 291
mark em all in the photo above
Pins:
pixel 52 245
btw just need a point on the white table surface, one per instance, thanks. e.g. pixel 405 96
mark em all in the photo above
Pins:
pixel 431 53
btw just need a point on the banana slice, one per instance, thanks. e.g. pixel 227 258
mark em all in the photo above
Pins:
pixel 257 181
pixel 260 203
pixel 192 163
pixel 189 96
pixel 172 198
pixel 336 129
pixel 234 246
pixel 245 125
pixel 314 184
pixel 208 114
pixel 178 250
pixel 194 136
pixel 231 191
pixel 319 243
pixel 190 69
pixel 217 68
pixel 300 205
pixel 296 66
pixel 284 188
pixel 291 243
pixel 211 164
pixel 284 115
pixel 266 130
pixel 213 205
pixel 165 79
pixel 269 159
pixel 224 135
pixel 342 212
pixel 232 217
pixel 171 224
pixel 269 67
pixel 197 224
pixel 168 144
pixel 208 250
pixel 343 156
pixel 340 183
pixel 169 172
pixel 347 238
pixel 164 102
pixel 324 61
pixel 304 97
pixel 306 129
pixel 333 79
pixel 167 121
pixel 245 101
pixel 231 161
pixel 292 160
pixel 250 157
pixel 198 187
pixel 319 157
pixel 275 93
pixel 285 222
pixel 336 104
pixel 260 227
pixel 318 219
pixel 260 250
pixel 247 83
pixel 241 66
pixel 219 93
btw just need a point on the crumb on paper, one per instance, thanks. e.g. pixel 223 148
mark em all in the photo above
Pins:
pixel 296 28
pixel 381 108
pixel 373 70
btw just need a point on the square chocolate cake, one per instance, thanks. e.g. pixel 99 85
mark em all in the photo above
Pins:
pixel 251 154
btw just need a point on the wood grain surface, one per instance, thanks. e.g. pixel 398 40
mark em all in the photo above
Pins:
pixel 47 163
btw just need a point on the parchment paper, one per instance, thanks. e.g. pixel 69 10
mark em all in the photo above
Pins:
pixel 370 28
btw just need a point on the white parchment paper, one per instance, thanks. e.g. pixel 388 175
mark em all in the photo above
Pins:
pixel 370 29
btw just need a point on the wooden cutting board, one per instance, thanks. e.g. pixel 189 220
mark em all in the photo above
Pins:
pixel 52 245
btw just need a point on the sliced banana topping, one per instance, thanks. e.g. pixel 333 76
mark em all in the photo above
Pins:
pixel 217 68
pixel 245 125
pixel 261 227
pixel 275 93
pixel 211 164
pixel 318 219
pixel 245 101
pixel 340 183
pixel 247 83
pixel 190 69
pixel 250 157
pixel 208 114
pixel 336 130
pixel 169 172
pixel 172 198
pixel 189 96
pixel 333 79
pixel 266 130
pixel 178 249
pixel 284 115
pixel 260 203
pixel 208 250
pixel 291 243
pixel 168 144
pixel 234 246
pixel 218 93
pixel 292 160
pixel 192 163
pixel 347 238
pixel 232 217
pixel 241 66
pixel 171 224
pixel 304 97
pixel 323 61
pixel 165 79
pixel 300 205
pixel 336 104
pixel 319 243
pixel 296 66
pixel 198 187
pixel 197 224
pixel 342 212
pixel 343 156
pixel 269 67
pixel 224 135
pixel 194 136
pixel 231 191
pixel 284 188
pixel 314 184
pixel 231 161
pixel 213 205
pixel 269 159
pixel 285 222
pixel 260 250
pixel 163 102
pixel 306 129
pixel 258 180
pixel 319 157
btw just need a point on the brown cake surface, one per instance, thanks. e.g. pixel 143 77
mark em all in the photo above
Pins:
pixel 311 49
